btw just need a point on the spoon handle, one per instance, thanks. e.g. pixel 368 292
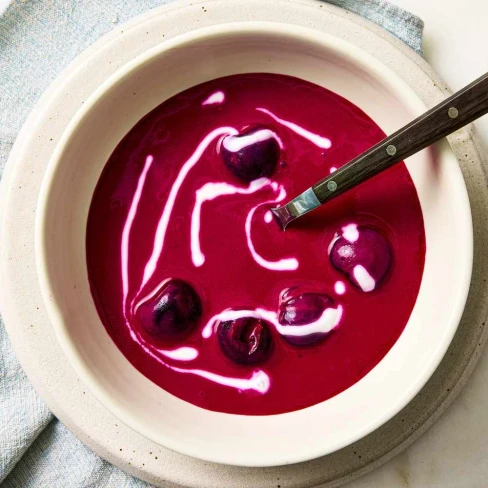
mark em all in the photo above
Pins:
pixel 453 113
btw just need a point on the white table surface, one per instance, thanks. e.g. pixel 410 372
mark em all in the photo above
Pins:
pixel 455 41
pixel 454 452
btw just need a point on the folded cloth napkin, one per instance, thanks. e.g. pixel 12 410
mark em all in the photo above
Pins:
pixel 37 41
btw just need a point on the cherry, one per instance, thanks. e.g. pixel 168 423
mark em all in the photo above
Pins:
pixel 245 340
pixel 251 155
pixel 363 254
pixel 301 310
pixel 173 312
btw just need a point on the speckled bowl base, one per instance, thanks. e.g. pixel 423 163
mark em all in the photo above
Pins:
pixel 29 327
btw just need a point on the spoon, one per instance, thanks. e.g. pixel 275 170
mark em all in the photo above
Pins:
pixel 455 112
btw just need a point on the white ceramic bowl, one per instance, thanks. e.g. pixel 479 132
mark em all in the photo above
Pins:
pixel 61 230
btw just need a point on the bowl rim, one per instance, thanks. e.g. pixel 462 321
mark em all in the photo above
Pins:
pixel 55 316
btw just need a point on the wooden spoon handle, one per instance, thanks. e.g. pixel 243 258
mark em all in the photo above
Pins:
pixel 453 113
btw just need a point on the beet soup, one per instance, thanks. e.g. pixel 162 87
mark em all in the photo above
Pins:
pixel 197 285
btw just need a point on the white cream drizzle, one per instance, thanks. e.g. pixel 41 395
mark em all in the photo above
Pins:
pixel 364 279
pixel 181 354
pixel 350 233
pixel 340 287
pixel 164 220
pixel 286 264
pixel 328 321
pixel 259 381
pixel 268 217
pixel 152 294
pixel 320 141
pixel 235 144
pixel 124 252
pixel 332 242
pixel 215 98
pixel 208 192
